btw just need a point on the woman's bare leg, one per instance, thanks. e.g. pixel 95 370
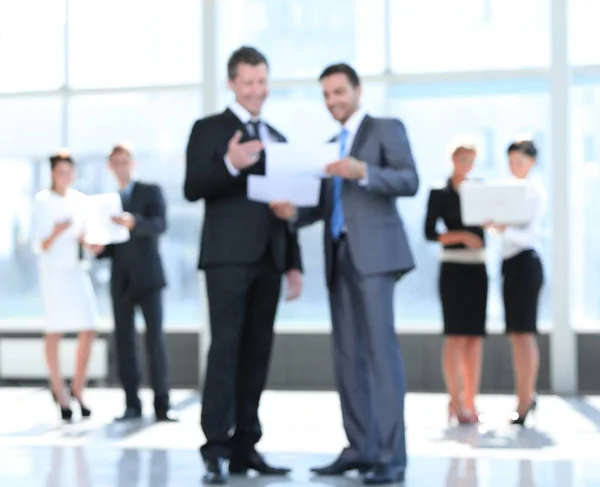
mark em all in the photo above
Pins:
pixel 82 358
pixel 57 384
pixel 526 358
pixel 471 370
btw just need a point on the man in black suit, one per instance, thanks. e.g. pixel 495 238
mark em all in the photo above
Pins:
pixel 137 280
pixel 244 251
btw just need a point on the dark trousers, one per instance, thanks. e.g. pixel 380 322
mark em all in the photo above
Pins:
pixel 368 364
pixel 242 303
pixel 126 344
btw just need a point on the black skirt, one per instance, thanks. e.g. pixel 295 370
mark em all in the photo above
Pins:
pixel 523 276
pixel 463 292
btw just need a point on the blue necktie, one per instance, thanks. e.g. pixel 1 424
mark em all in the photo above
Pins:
pixel 337 213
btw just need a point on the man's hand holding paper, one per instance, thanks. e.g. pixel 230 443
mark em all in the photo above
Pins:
pixel 347 168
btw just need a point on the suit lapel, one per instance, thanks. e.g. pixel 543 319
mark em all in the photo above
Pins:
pixel 361 134
pixel 274 133
pixel 235 122
pixel 128 201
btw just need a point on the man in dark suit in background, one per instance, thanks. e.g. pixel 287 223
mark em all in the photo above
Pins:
pixel 366 252
pixel 244 251
pixel 137 279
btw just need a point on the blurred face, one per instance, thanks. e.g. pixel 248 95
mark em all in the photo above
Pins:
pixel 520 164
pixel 63 175
pixel 342 99
pixel 122 167
pixel 251 86
pixel 463 161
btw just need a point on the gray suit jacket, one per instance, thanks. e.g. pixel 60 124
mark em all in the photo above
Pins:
pixel 375 230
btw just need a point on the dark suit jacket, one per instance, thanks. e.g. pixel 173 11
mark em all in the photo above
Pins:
pixel 375 230
pixel 136 264
pixel 236 230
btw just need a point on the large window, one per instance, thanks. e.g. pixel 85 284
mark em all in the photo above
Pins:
pixel 30 126
pixel 117 43
pixel 431 122
pixel 300 37
pixel 584 31
pixel 151 121
pixel 31 45
pixel 471 35
pixel 586 204
pixel 133 70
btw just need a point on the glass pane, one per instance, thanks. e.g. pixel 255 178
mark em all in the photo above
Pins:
pixel 151 121
pixel 300 114
pixel 586 205
pixel 431 122
pixel 30 129
pixel 438 35
pixel 584 33
pixel 30 126
pixel 134 43
pixel 300 37
pixel 32 45
pixel 19 294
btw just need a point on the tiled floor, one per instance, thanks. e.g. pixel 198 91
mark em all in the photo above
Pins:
pixel 560 449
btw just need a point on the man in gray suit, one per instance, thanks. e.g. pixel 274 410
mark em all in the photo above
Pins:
pixel 366 252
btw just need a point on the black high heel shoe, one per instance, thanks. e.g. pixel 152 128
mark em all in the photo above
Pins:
pixel 85 412
pixel 66 413
pixel 519 419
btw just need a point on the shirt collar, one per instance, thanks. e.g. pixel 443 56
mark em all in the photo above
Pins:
pixel 240 112
pixel 353 123
pixel 129 188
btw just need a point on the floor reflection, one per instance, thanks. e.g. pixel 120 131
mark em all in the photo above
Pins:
pixel 89 467
pixel 301 430
pixel 58 475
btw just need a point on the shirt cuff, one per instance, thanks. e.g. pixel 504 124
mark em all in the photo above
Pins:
pixel 232 170
pixel 364 181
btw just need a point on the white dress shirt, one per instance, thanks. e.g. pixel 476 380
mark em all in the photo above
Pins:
pixel 246 117
pixel 352 125
pixel 517 238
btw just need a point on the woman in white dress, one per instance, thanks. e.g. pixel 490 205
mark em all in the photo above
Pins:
pixel 67 293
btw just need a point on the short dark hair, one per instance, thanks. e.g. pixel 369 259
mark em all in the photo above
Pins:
pixel 244 55
pixel 525 147
pixel 61 156
pixel 341 68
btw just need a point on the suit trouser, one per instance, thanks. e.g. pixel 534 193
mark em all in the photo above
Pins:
pixel 156 349
pixel 242 302
pixel 368 364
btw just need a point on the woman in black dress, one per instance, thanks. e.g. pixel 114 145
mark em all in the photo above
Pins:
pixel 522 279
pixel 463 285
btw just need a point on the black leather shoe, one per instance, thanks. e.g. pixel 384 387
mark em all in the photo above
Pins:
pixel 130 414
pixel 166 417
pixel 215 472
pixel 255 462
pixel 340 467
pixel 384 474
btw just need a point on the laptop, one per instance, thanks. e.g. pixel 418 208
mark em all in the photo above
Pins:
pixel 505 202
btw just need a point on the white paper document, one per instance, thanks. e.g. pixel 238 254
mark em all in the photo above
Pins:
pixel 100 229
pixel 503 202
pixel 299 159
pixel 301 191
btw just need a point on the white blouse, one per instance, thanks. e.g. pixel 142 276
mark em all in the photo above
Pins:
pixel 50 209
pixel 518 238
